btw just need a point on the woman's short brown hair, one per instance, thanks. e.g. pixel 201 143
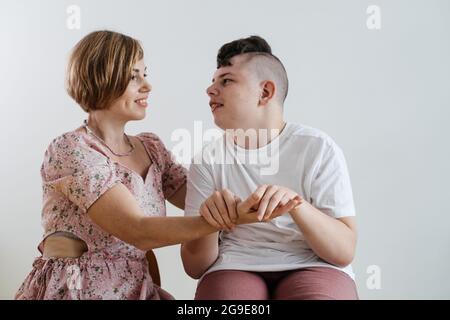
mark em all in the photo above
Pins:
pixel 100 68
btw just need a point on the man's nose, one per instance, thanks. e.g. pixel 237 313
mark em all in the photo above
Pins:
pixel 211 90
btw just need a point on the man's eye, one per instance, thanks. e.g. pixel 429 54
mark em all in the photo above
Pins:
pixel 225 81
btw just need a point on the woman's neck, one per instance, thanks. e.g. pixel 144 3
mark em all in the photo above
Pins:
pixel 110 130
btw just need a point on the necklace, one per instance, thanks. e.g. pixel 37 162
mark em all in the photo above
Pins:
pixel 106 145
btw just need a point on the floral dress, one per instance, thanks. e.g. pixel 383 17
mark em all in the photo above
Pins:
pixel 76 171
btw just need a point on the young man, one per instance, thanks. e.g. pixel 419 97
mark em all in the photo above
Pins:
pixel 303 254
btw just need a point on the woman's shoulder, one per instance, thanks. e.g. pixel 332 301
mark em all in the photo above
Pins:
pixel 149 137
pixel 156 147
pixel 66 139
pixel 152 141
pixel 74 149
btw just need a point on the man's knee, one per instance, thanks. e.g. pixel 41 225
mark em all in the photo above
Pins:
pixel 232 285
pixel 317 283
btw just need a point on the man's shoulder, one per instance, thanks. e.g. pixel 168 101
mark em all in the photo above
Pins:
pixel 208 153
pixel 304 134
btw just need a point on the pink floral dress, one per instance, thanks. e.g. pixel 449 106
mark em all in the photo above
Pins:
pixel 76 171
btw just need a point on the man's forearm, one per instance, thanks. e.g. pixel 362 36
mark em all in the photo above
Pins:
pixel 198 255
pixel 331 239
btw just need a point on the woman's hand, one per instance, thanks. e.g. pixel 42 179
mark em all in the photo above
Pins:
pixel 219 210
pixel 224 210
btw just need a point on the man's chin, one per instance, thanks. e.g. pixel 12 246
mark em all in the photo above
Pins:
pixel 219 123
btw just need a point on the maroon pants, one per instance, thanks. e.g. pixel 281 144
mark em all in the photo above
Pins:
pixel 315 283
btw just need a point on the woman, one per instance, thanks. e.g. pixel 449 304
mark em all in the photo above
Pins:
pixel 105 191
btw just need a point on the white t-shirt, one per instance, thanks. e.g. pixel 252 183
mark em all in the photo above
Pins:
pixel 301 158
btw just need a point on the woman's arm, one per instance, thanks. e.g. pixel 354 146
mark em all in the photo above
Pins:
pixel 333 240
pixel 118 213
pixel 179 197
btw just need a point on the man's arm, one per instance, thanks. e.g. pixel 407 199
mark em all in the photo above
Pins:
pixel 198 255
pixel 332 239
pixel 327 220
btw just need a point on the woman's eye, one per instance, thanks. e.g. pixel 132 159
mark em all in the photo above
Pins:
pixel 225 81
pixel 133 77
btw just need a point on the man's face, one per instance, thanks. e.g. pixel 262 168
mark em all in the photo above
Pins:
pixel 234 96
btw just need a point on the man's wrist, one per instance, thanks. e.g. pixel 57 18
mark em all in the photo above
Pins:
pixel 297 210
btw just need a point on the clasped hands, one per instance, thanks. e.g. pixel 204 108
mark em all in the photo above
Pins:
pixel 224 210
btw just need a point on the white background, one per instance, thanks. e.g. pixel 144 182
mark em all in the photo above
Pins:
pixel 383 95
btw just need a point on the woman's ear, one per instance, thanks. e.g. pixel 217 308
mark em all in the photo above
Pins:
pixel 268 92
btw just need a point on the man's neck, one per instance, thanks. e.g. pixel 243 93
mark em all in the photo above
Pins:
pixel 258 137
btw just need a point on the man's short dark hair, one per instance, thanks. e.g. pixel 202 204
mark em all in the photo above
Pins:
pixel 266 65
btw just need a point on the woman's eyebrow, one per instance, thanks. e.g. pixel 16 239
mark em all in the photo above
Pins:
pixel 137 70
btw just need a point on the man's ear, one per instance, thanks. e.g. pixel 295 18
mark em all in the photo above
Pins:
pixel 268 92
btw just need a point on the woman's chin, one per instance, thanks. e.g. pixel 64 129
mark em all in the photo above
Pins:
pixel 142 117
pixel 138 115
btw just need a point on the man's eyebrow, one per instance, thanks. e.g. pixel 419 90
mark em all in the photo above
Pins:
pixel 223 75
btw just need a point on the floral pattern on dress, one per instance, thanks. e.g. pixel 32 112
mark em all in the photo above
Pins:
pixel 75 172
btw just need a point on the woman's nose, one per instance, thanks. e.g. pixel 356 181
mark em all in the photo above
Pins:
pixel 147 87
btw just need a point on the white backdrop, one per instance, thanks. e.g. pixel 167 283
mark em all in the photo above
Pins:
pixel 382 94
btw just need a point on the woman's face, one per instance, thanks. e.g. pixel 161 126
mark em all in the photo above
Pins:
pixel 133 103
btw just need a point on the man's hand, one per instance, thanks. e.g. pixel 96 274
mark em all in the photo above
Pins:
pixel 224 210
pixel 248 211
pixel 276 201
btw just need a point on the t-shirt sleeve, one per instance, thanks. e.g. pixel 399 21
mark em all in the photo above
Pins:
pixel 173 174
pixel 77 171
pixel 331 190
pixel 200 186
